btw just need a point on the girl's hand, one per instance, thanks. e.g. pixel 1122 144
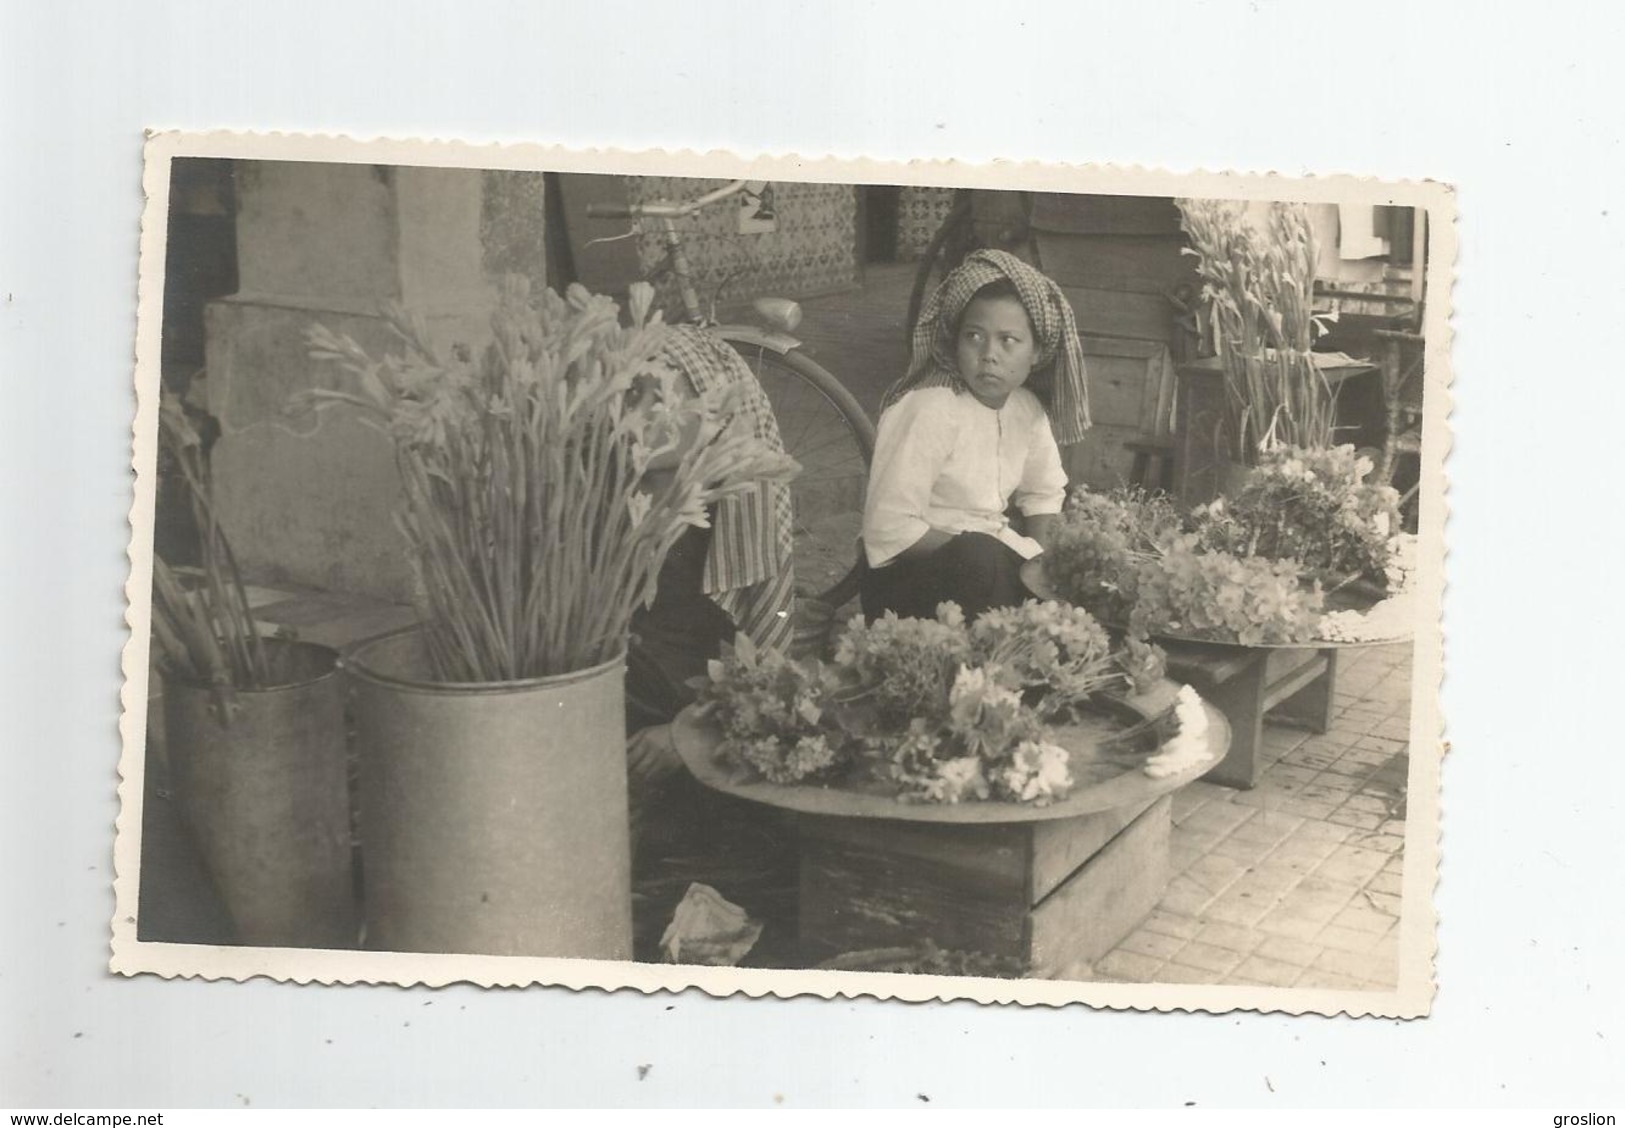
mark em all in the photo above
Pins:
pixel 1040 526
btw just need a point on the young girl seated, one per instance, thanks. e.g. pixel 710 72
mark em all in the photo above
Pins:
pixel 995 383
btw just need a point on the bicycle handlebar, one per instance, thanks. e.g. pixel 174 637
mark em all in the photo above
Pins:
pixel 663 209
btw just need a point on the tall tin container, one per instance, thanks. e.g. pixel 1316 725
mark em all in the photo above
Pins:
pixel 265 793
pixel 493 815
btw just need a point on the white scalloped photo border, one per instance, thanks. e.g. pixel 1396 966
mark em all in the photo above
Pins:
pixel 1416 985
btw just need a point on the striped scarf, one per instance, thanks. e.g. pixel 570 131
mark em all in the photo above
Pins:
pixel 749 572
pixel 1058 377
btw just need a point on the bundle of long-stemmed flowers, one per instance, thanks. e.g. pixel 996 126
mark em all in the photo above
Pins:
pixel 1258 283
pixel 533 522
pixel 202 625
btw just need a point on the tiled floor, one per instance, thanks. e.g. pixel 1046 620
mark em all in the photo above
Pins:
pixel 1295 883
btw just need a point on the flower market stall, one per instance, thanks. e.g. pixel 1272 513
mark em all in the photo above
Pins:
pixel 998 788
pixel 1071 780
pixel 1251 596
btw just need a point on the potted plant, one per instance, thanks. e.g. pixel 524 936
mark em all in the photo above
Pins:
pixel 1258 287
pixel 493 795
pixel 253 736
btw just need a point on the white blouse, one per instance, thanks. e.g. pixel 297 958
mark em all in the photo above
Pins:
pixel 945 460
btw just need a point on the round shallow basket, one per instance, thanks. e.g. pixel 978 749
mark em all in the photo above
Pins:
pixel 1106 775
pixel 1036 582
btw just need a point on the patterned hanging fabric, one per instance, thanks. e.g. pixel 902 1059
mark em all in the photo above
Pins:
pixel 749 572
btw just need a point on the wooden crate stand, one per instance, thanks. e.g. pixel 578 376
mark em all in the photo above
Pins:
pixel 1054 895
pixel 1049 888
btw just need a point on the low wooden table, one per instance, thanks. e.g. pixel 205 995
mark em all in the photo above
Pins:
pixel 1297 683
pixel 1052 888
pixel 1248 682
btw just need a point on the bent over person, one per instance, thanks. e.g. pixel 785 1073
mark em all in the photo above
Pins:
pixel 735 577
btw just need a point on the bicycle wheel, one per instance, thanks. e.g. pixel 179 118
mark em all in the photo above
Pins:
pixel 828 433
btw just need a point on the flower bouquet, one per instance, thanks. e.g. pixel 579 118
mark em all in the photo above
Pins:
pixel 545 477
pixel 933 710
pixel 202 626
pixel 1312 506
pixel 252 740
pixel 1258 286
pixel 533 526
pixel 1255 569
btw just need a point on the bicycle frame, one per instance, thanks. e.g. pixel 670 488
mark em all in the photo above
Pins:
pixel 745 333
pixel 770 339
pixel 667 214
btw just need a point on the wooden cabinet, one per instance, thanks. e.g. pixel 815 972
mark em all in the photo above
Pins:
pixel 1117 258
pixel 1130 389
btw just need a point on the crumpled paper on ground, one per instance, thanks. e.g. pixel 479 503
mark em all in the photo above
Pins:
pixel 707 928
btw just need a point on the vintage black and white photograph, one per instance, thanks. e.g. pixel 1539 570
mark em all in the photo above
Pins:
pixel 921 581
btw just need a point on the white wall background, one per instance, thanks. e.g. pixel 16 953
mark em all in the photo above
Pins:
pixel 1518 108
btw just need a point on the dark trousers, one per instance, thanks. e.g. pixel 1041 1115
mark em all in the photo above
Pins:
pixel 674 638
pixel 682 831
pixel 974 570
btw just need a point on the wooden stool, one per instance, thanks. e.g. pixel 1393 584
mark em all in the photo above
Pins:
pixel 1247 682
pixel 1153 466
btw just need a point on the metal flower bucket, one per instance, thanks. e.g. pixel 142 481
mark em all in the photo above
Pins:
pixel 493 816
pixel 266 797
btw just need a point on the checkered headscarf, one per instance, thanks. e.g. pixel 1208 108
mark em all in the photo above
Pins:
pixel 1058 377
pixel 748 573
